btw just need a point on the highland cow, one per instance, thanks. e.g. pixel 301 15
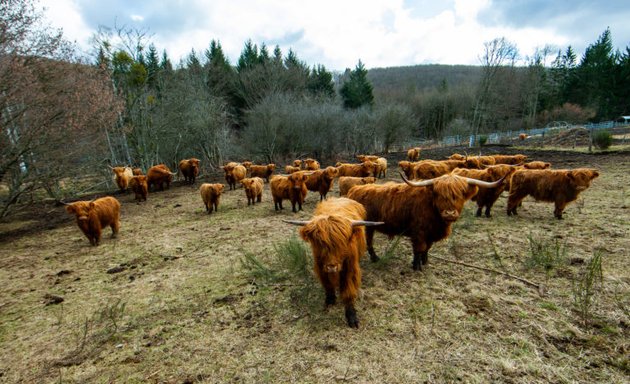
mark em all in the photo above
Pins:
pixel 291 187
pixel 159 175
pixel 122 175
pixel 262 171
pixel 423 211
pixel 189 168
pixel 253 187
pixel 93 216
pixel 211 194
pixel 347 182
pixel 486 197
pixel 336 235
pixel 322 181
pixel 140 187
pixel 556 186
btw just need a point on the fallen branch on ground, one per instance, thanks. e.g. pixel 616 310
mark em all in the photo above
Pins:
pixel 540 288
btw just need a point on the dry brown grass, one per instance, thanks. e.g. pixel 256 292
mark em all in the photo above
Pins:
pixel 183 308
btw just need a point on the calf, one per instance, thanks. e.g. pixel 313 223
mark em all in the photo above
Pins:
pixel 413 154
pixel 322 181
pixel 159 175
pixel 253 189
pixel 122 175
pixel 210 194
pixel 140 187
pixel 189 168
pixel 234 173
pixel 93 216
pixel 311 165
pixel 291 187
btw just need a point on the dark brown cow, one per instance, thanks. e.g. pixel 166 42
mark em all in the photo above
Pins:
pixel 423 211
pixel 189 168
pixel 322 181
pixel 337 237
pixel 292 187
pixel 140 187
pixel 253 187
pixel 159 175
pixel 556 186
pixel 211 194
pixel 486 197
pixel 93 216
pixel 262 171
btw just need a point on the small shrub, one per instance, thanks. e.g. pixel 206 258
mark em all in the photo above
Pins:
pixel 290 260
pixel 585 287
pixel 545 254
pixel 602 139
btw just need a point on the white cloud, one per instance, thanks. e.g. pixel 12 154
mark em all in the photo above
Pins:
pixel 330 32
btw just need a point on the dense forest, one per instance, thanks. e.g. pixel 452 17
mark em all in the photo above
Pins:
pixel 65 115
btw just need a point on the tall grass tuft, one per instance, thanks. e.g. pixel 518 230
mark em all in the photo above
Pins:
pixel 545 254
pixel 585 287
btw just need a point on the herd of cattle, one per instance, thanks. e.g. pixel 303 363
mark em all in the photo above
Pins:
pixel 422 208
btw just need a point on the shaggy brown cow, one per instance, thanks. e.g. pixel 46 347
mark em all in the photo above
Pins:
pixel 413 154
pixel 137 172
pixel 322 181
pixel 262 171
pixel 311 165
pixel 247 164
pixel 430 169
pixel 234 173
pixel 140 187
pixel 290 169
pixel 423 210
pixel 381 164
pixel 509 159
pixel 210 194
pixel 297 163
pixel 159 175
pixel 365 169
pixel 486 197
pixel 253 189
pixel 337 237
pixel 122 175
pixel 407 167
pixel 557 186
pixel 522 136
pixel 347 182
pixel 93 216
pixel 189 168
pixel 537 165
pixel 292 187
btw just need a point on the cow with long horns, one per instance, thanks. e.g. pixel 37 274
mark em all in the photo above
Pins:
pixel 336 235
pixel 486 197
pixel 421 210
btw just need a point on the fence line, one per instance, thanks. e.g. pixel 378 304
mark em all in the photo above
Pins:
pixel 497 137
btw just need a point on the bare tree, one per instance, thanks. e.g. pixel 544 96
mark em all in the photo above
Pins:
pixel 497 53
pixel 53 109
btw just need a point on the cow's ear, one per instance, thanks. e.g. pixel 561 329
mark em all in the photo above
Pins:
pixel 92 205
pixel 594 174
pixel 70 209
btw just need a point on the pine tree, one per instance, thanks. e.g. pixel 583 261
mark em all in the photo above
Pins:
pixel 249 57
pixel 152 65
pixel 357 90
pixel 320 82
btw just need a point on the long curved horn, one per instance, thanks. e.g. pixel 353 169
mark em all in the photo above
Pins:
pixel 296 222
pixel 423 183
pixel 356 223
pixel 484 184
pixel 173 173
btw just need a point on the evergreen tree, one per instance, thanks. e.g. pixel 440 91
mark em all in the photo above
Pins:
pixel 165 63
pixel 249 57
pixel 153 66
pixel 320 82
pixel 357 90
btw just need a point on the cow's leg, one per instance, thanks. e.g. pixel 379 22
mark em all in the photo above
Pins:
pixel 514 201
pixel 329 288
pixel 115 228
pixel 259 198
pixel 369 239
pixel 349 283
pixel 557 212
pixel 420 252
pixel 478 214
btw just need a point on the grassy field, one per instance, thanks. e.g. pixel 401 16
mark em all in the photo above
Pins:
pixel 171 300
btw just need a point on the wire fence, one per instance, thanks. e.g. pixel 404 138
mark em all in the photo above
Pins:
pixel 510 136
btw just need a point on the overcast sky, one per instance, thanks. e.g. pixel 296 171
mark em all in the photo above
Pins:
pixel 337 33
